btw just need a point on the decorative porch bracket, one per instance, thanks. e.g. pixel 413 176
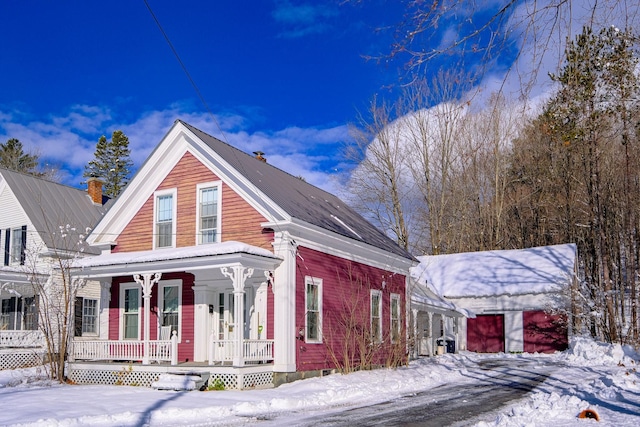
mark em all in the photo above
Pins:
pixel 147 281
pixel 238 275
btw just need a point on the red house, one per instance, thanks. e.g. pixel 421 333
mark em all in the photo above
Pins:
pixel 214 262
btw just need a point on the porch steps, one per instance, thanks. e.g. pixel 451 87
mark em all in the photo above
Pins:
pixel 181 380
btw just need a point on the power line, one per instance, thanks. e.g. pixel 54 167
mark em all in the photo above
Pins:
pixel 184 68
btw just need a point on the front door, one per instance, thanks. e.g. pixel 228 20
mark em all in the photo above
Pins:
pixel 225 328
pixel 227 325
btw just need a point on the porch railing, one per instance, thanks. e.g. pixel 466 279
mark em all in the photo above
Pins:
pixel 129 350
pixel 21 339
pixel 254 351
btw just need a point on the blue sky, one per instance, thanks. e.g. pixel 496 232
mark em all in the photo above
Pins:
pixel 282 77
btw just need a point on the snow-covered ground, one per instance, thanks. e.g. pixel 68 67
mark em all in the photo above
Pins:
pixel 597 376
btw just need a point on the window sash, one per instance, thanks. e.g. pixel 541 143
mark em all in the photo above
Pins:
pixel 208 215
pixel 16 245
pixel 30 314
pixel 395 317
pixel 170 305
pixel 130 316
pixel 6 314
pixel 89 316
pixel 376 318
pixel 313 307
pixel 164 221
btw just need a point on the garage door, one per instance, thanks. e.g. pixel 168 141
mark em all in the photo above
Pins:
pixel 485 333
pixel 543 332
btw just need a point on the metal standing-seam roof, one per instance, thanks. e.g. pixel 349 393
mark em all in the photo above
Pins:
pixel 300 199
pixel 50 205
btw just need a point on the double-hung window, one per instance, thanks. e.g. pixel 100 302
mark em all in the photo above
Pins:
pixel 165 212
pixel 15 241
pixel 208 213
pixel 7 314
pixel 86 316
pixel 131 312
pixel 169 306
pixel 18 313
pixel 376 315
pixel 313 304
pixel 395 317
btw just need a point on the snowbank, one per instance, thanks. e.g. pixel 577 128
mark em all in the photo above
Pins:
pixel 586 352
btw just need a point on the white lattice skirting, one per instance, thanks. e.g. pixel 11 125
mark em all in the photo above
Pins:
pixel 123 376
pixel 16 359
pixel 144 376
pixel 234 381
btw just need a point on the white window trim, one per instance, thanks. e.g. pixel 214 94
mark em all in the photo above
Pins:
pixel 97 317
pixel 395 297
pixel 318 282
pixel 161 285
pixel 174 193
pixel 379 294
pixel 123 287
pixel 16 232
pixel 218 185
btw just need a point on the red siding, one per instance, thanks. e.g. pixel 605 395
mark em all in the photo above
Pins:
pixel 185 347
pixel 544 333
pixel 485 334
pixel 346 286
pixel 270 313
pixel 239 222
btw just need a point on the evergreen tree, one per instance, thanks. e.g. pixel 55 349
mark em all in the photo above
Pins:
pixel 112 163
pixel 13 157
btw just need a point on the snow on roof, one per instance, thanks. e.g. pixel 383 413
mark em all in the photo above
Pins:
pixel 166 254
pixel 489 273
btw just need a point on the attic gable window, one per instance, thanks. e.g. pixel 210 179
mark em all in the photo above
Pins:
pixel 164 214
pixel 209 208
pixel 15 242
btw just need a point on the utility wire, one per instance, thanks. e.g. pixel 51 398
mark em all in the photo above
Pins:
pixel 184 68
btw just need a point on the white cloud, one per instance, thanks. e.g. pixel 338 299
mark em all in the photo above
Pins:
pixel 541 43
pixel 302 19
pixel 68 141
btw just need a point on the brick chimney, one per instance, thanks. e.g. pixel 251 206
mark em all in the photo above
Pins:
pixel 95 190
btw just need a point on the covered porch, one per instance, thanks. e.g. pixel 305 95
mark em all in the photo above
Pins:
pixel 435 323
pixel 205 305
pixel 22 344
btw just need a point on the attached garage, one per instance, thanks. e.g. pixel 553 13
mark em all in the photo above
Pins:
pixel 485 333
pixel 544 332
pixel 510 293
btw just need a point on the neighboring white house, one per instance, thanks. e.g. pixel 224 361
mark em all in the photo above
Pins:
pixel 32 212
pixel 520 297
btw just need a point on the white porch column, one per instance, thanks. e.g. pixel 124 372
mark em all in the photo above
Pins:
pixel 456 328
pixel 416 338
pixel 430 334
pixel 105 299
pixel 146 282
pixel 284 305
pixel 238 274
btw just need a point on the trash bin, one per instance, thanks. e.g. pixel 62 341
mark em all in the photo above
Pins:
pixel 441 347
pixel 451 346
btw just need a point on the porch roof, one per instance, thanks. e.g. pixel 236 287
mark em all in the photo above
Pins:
pixel 165 260
pixel 424 299
pixel 15 275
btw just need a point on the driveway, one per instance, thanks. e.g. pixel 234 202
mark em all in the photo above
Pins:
pixel 492 384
